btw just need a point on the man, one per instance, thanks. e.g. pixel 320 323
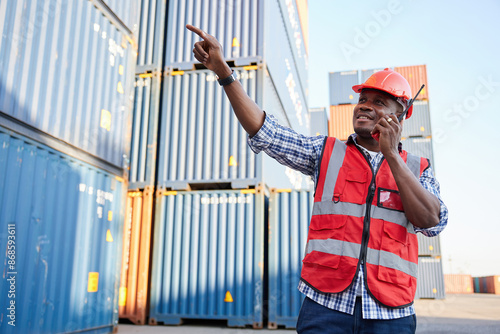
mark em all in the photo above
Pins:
pixel 359 271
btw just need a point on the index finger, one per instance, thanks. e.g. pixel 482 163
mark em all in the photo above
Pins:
pixel 196 30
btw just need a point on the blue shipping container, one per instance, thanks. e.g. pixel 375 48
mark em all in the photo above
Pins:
pixel 67 70
pixel 60 229
pixel 340 85
pixel 201 140
pixel 145 121
pixel 208 257
pixel 249 31
pixel 289 215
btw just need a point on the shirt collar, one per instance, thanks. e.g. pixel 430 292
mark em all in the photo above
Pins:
pixel 352 140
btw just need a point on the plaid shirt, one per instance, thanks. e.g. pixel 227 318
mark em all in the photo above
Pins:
pixel 302 153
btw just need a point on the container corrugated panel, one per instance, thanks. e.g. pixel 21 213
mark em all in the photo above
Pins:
pixel 201 139
pixel 208 258
pixel 340 123
pixel 134 279
pixel 341 87
pixel 289 215
pixel 416 76
pixel 303 9
pixel 318 121
pixel 430 280
pixel 289 75
pixel 235 24
pixel 66 70
pixel 292 21
pixel 419 124
pixel 428 246
pixel 457 283
pixel 126 11
pixel 421 146
pixel 244 29
pixel 151 33
pixel 145 122
pixel 63 218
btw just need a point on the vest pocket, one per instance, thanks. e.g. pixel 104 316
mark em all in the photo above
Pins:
pixel 327 226
pixel 316 258
pixel 389 199
pixel 354 188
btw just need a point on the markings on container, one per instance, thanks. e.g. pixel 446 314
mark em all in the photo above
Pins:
pixel 250 67
pixel 232 161
pixel 247 191
pixel 110 215
pixel 122 299
pixel 176 73
pixel 228 298
pixel 93 283
pixel 434 290
pixel 351 97
pixel 109 237
pixel 105 120
pixel 236 43
pixel 431 247
pixel 170 193
pixel 120 69
pixel 119 88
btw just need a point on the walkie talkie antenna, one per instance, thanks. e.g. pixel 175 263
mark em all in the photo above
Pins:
pixel 410 104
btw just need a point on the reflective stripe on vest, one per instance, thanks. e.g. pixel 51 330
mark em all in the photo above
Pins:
pixel 350 249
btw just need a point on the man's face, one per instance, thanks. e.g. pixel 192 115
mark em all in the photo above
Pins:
pixel 372 105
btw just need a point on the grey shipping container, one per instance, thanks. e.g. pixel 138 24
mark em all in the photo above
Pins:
pixel 145 121
pixel 201 140
pixel 60 222
pixel 428 246
pixel 421 146
pixel 419 124
pixel 289 215
pixel 125 12
pixel 208 257
pixel 430 279
pixel 67 70
pixel 341 87
pixel 318 121
pixel 151 35
pixel 249 31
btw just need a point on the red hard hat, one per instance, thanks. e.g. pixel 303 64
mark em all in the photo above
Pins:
pixel 390 82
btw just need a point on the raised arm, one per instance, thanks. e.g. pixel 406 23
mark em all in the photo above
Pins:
pixel 209 53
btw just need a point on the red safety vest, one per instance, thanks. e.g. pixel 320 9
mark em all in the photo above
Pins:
pixel 358 218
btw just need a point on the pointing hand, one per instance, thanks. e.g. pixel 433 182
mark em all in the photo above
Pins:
pixel 209 53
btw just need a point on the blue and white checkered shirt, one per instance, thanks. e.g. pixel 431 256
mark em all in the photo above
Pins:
pixel 302 153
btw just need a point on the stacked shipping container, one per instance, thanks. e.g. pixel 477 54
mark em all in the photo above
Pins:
pixel 66 78
pixel 416 139
pixel 203 147
pixel 186 137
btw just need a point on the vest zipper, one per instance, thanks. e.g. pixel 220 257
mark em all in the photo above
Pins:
pixel 366 221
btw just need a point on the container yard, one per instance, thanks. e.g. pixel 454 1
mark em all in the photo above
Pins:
pixel 127 183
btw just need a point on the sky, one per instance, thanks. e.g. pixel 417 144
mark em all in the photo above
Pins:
pixel 459 42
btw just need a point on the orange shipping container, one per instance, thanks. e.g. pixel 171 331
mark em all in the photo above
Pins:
pixel 340 123
pixel 416 76
pixel 458 284
pixel 134 279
